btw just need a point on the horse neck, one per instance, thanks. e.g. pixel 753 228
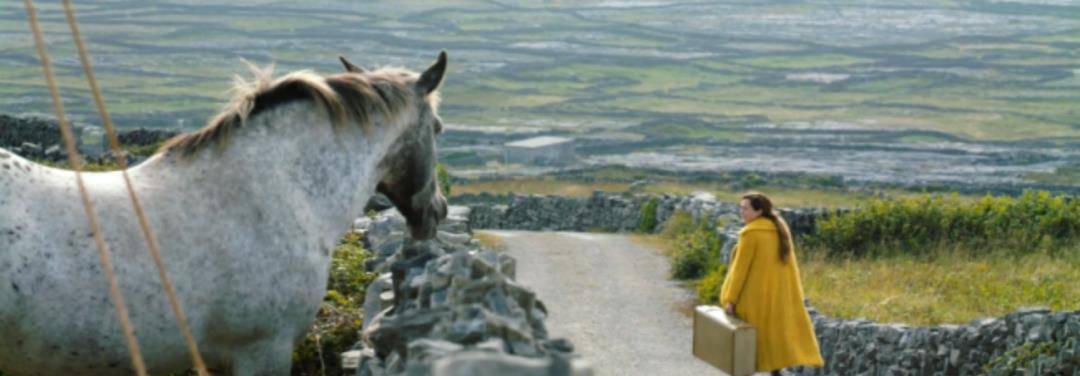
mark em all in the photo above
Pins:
pixel 288 162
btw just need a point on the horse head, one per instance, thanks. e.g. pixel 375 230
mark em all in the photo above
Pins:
pixel 409 180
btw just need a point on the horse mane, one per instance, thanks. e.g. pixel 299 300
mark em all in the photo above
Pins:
pixel 355 97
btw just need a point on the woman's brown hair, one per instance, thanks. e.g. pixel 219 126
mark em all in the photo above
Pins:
pixel 759 201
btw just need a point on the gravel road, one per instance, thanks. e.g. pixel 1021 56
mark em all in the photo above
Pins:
pixel 611 297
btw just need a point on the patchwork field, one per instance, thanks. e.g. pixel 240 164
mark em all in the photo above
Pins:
pixel 914 91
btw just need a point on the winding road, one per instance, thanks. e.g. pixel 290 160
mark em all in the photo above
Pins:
pixel 611 298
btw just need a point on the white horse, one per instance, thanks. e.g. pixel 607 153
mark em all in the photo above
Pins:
pixel 247 212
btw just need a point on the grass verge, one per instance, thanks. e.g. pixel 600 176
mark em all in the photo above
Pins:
pixel 950 285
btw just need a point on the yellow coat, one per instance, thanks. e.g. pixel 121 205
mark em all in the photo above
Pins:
pixel 768 294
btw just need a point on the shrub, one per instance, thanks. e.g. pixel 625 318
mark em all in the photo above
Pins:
pixel 337 325
pixel 680 223
pixel 1033 221
pixel 648 216
pixel 444 179
pixel 696 247
pixel 689 262
pixel 708 288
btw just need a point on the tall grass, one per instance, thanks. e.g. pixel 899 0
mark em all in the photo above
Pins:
pixel 942 285
pixel 940 259
pixel 648 216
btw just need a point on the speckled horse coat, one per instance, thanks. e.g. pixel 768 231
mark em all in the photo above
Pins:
pixel 247 212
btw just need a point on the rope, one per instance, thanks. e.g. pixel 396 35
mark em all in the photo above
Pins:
pixel 151 239
pixel 73 160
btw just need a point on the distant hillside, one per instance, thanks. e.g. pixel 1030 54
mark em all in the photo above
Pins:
pixel 909 91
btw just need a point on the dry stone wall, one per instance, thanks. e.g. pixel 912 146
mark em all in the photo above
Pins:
pixel 450 307
pixel 863 347
pixel 608 212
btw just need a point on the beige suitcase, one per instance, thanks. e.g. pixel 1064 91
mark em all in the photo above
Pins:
pixel 724 341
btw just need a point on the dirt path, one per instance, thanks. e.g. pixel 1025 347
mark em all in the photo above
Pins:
pixel 611 297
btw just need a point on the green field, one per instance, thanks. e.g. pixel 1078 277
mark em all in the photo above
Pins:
pixel 175 61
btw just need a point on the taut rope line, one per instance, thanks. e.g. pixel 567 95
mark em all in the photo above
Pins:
pixel 148 233
pixel 73 160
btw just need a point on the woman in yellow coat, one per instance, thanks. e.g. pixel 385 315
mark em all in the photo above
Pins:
pixel 763 288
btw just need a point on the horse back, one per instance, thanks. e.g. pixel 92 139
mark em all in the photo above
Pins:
pixel 54 305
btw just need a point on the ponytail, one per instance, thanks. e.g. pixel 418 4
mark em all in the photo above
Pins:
pixel 758 201
pixel 782 232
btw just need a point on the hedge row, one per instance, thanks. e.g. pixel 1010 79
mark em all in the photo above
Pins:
pixel 1032 221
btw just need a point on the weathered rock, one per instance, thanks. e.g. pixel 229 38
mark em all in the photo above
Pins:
pixel 378 203
pixel 385 223
pixel 55 152
pixel 374 299
pixel 860 346
pixel 30 148
pixel 445 297
pixel 362 224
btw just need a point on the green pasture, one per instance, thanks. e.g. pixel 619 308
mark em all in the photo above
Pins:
pixel 622 66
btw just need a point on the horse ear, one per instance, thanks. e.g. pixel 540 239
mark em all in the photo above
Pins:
pixel 432 77
pixel 349 66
